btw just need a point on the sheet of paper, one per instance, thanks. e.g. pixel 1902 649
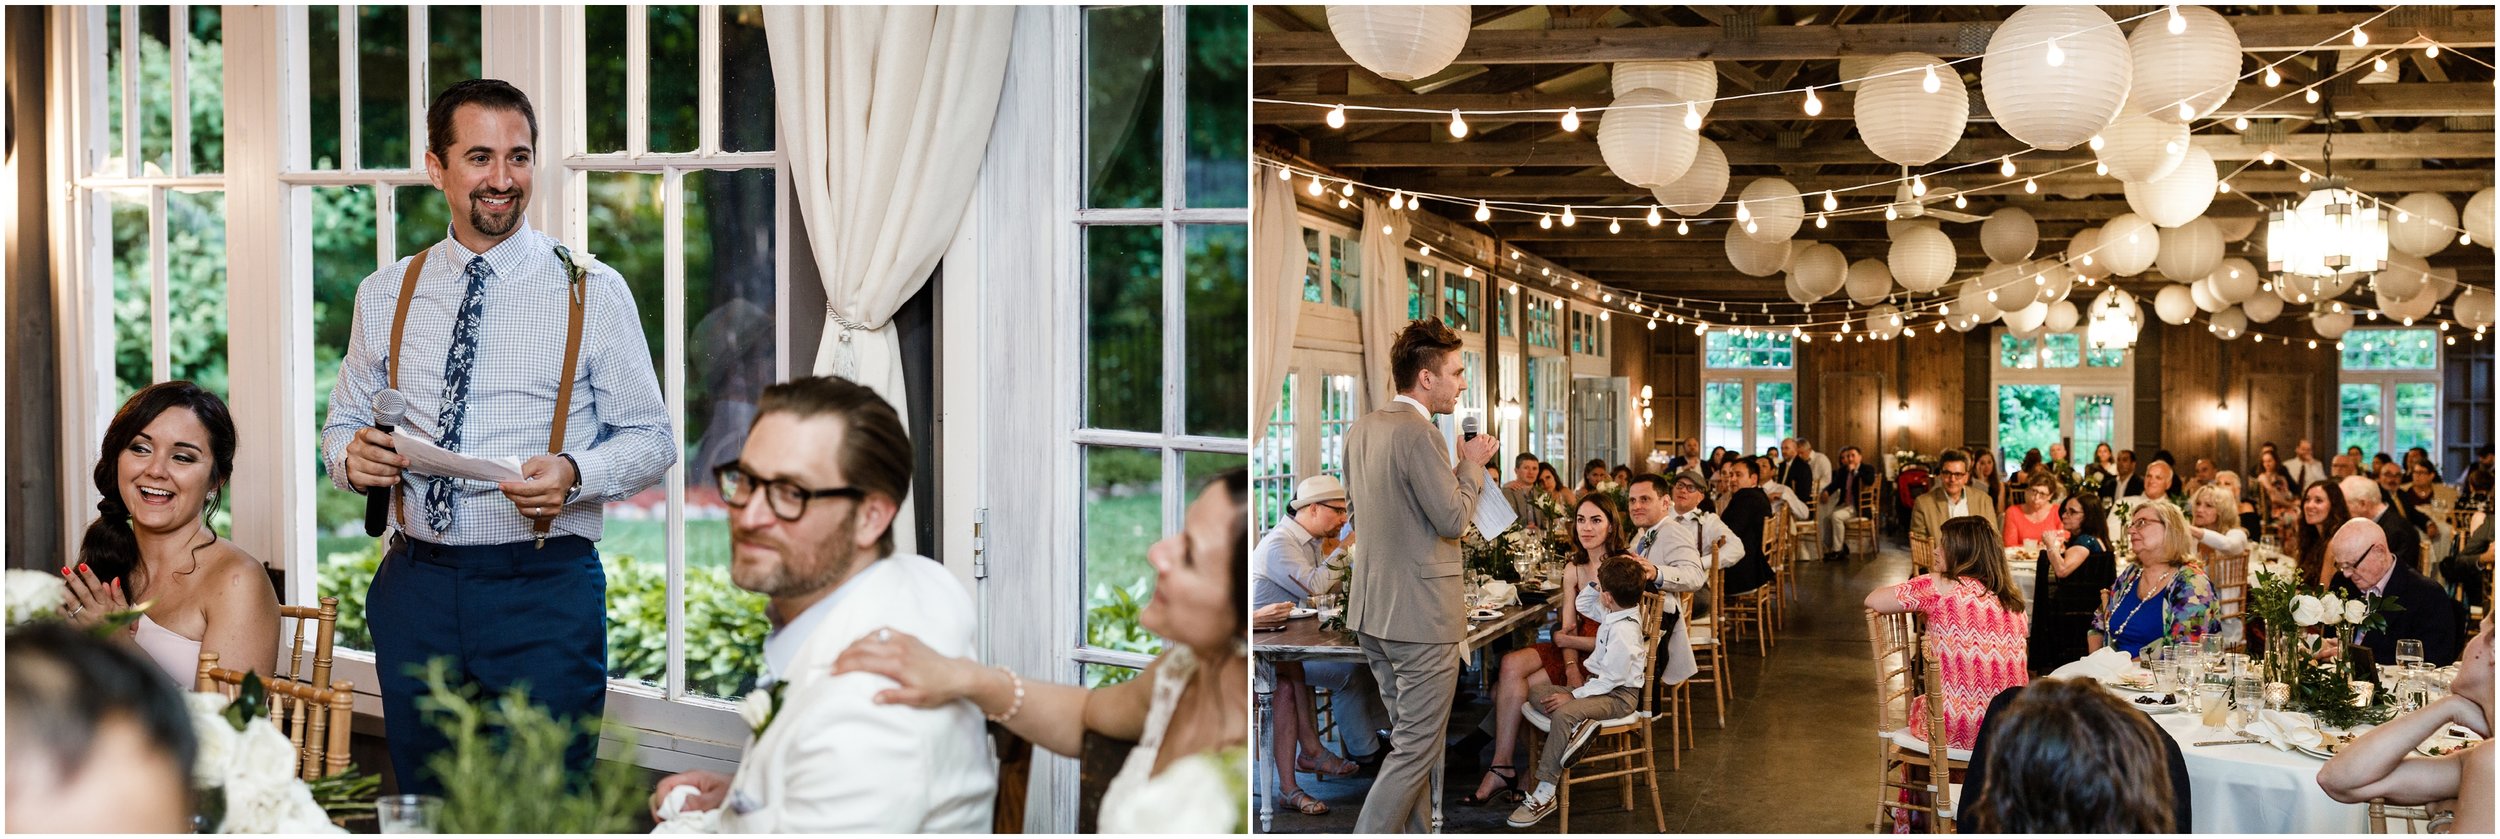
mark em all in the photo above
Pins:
pixel 1493 512
pixel 425 458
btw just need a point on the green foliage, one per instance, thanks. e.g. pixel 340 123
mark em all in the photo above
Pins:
pixel 1112 625
pixel 346 576
pixel 2026 419
pixel 345 794
pixel 1754 350
pixel 504 771
pixel 2391 349
pixel 725 626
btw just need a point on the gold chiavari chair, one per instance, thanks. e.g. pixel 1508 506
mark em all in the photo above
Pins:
pixel 1623 741
pixel 316 720
pixel 1904 666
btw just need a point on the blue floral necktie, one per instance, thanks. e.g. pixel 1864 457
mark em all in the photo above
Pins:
pixel 456 368
pixel 1647 536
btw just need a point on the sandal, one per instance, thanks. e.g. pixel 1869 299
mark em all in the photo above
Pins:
pixel 1334 765
pixel 1301 800
pixel 1509 793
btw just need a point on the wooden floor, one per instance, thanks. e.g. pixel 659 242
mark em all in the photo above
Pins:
pixel 1797 756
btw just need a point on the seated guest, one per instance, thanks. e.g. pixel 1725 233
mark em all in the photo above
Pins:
pixel 2424 492
pixel 2281 503
pixel 2162 598
pixel 2364 565
pixel 167 456
pixel 1189 705
pixel 2204 475
pixel 2105 462
pixel 2038 514
pixel 2157 487
pixel 1523 472
pixel 2130 480
pixel 2076 565
pixel 1623 475
pixel 1988 479
pixel 1975 615
pixel 1291 566
pixel 2391 492
pixel 1618 667
pixel 2362 496
pixel 2066 756
pixel 1592 474
pixel 1549 484
pixel 2383 764
pixel 1746 513
pixel 1674 531
pixel 2213 526
pixel 811 499
pixel 1951 498
pixel 1596 537
pixel 1779 493
pixel 97 741
pixel 1840 501
pixel 2060 460
pixel 2344 465
pixel 2322 512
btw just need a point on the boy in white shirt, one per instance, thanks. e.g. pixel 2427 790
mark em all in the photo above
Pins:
pixel 1618 668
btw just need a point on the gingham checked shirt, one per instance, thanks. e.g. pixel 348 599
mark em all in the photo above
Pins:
pixel 618 430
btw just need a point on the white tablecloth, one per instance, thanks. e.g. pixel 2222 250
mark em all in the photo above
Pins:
pixel 2024 578
pixel 2256 788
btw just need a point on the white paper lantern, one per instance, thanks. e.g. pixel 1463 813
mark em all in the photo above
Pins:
pixel 2199 66
pixel 2416 307
pixel 1856 67
pixel 2235 228
pixel 2478 221
pixel 2442 281
pixel 2179 197
pixel 1754 257
pixel 1884 320
pixel 2053 76
pixel 1648 147
pixel 1900 121
pixel 1777 210
pixel 2203 293
pixel 2473 309
pixel 2063 316
pixel 1868 281
pixel 1703 185
pixel 2330 325
pixel 2129 244
pixel 2192 252
pixel 2056 279
pixel 2028 319
pixel 2085 255
pixel 2424 223
pixel 2174 304
pixel 2238 281
pixel 2230 323
pixel 1401 43
pixel 2009 235
pixel 2138 148
pixel 1683 81
pixel 1965 323
pixel 1921 258
pixel 1819 270
pixel 1796 248
pixel 1893 228
pixel 2263 308
pixel 2012 285
pixel 1972 302
pixel 2404 277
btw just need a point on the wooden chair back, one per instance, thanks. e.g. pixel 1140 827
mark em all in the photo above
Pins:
pixel 2414 818
pixel 1893 639
pixel 1922 553
pixel 316 628
pixel 1939 744
pixel 1098 761
pixel 2230 581
pixel 316 720
pixel 1015 773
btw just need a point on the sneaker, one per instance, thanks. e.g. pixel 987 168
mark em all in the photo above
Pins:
pixel 1531 811
pixel 1581 734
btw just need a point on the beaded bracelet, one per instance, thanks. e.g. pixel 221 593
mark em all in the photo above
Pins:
pixel 1019 703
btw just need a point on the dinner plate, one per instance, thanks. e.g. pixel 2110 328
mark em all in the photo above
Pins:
pixel 2151 704
pixel 2448 741
pixel 1484 614
pixel 2325 749
pixel 2121 684
pixel 1302 612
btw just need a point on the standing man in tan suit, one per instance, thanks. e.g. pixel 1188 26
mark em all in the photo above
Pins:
pixel 1406 606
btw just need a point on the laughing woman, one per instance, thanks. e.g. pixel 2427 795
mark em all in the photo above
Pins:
pixel 166 459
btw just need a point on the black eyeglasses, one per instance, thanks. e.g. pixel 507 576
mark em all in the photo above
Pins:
pixel 788 500
pixel 2349 567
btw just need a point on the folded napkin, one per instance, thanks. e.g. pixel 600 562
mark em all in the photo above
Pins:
pixel 673 820
pixel 1497 593
pixel 2104 665
pixel 2286 730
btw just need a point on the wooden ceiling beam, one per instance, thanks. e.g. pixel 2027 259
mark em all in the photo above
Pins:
pixel 2258 33
pixel 1569 187
pixel 1582 151
pixel 2256 101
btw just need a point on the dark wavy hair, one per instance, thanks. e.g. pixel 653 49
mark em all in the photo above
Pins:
pixel 2070 758
pixel 110 550
pixel 1614 528
pixel 2313 539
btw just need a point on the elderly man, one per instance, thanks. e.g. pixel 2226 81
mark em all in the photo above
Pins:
pixel 1840 501
pixel 2157 486
pixel 2365 565
pixel 2303 467
pixel 1296 559
pixel 2344 466
pixel 2362 498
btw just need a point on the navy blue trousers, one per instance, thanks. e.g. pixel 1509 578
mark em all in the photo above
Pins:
pixel 503 616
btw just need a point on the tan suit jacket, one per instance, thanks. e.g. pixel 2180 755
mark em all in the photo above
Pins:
pixel 1411 503
pixel 1928 514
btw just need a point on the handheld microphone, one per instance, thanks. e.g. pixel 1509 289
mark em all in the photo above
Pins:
pixel 389 410
pixel 1467 427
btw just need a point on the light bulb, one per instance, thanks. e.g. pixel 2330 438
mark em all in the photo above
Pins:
pixel 2379 64
pixel 1484 211
pixel 1571 119
pixel 2266 157
pixel 1932 84
pixel 2087 262
pixel 2360 38
pixel 2272 77
pixel 2402 217
pixel 1397 200
pixel 1602 315
pixel 1753 227
pixel 1470 272
pixel 1654 218
pixel 2031 186
pixel 1614 225
pixel 1918 186
pixel 1830 203
pixel 1348 191
pixel 1992 296
pixel 1607 297
pixel 1316 188
pixel 2310 94
pixel 1814 106
pixel 2097 142
pixel 1653 324
pixel 1960 202
pixel 1692 116
pixel 2178 24
pixel 2240 124
pixel 1342 203
pixel 2431 51
pixel 2304 176
pixel 1425 250
pixel 1820 223
pixel 2057 58
pixel 1545 221
pixel 1336 117
pixel 1458 124
pixel 1513 254
pixel 1743 213
pixel 2186 112
pixel 1568 219
pixel 1683 228
pixel 2100 168
pixel 2006 166
pixel 1386 230
pixel 2222 187
pixel 1891 214
pixel 1284 174
pixel 2313 343
pixel 2465 238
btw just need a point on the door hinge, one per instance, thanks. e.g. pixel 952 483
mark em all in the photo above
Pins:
pixel 980 556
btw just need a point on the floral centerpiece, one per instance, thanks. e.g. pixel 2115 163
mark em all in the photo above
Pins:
pixel 2293 652
pixel 245 770
pixel 1482 555
pixel 2093 481
pixel 34 595
pixel 1551 508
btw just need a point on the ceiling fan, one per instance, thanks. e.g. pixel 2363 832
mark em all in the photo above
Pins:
pixel 1908 206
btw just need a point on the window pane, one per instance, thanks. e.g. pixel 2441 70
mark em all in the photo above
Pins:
pixel 382 75
pixel 1124 328
pixel 1122 516
pixel 1124 107
pixel 1271 461
pixel 729 321
pixel 113 60
pixel 2417 416
pixel 1723 415
pixel 453 34
pixel 2096 422
pixel 674 77
pixel 1501 311
pixel 1099 675
pixel 1345 271
pixel 2357 419
pixel 321 48
pixel 133 366
pixel 1555 400
pixel 2391 349
pixel 2026 419
pixel 1458 296
pixel 626 232
pixel 1219 106
pixel 342 244
pixel 206 78
pixel 1312 291
pixel 2065 350
pixel 1774 411
pixel 423 217
pixel 156 90
pixel 603 79
pixel 1218 307
pixel 746 81
pixel 195 290
pixel 1336 414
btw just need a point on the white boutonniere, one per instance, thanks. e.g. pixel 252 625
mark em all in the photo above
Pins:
pixel 761 705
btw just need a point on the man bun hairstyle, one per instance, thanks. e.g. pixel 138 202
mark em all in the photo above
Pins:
pixel 876 453
pixel 1419 346
pixel 486 93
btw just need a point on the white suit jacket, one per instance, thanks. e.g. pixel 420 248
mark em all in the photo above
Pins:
pixel 835 761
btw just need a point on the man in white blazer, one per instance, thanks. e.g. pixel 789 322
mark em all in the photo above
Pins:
pixel 811 499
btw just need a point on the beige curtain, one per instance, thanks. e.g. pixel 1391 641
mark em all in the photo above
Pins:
pixel 1275 291
pixel 885 112
pixel 1384 297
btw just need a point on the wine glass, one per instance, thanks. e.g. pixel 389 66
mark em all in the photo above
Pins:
pixel 2248 695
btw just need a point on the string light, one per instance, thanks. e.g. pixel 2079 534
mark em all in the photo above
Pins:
pixel 2310 94
pixel 1753 227
pixel 2057 58
pixel 2178 25
pixel 1891 214
pixel 1814 106
pixel 1316 188
pixel 1568 219
pixel 2304 176
pixel 2005 166
pixel 1284 173
pixel 2266 157
pixel 1397 200
pixel 2379 64
pixel 1743 213
pixel 2273 77
pixel 2431 51
pixel 2185 111
pixel 1484 211
pixel 1425 250
pixel 1614 225
pixel 1653 324
pixel 1654 219
pixel 2239 124
pixel 1343 203
pixel 2031 186
pixel 1830 202
pixel 2222 187
pixel 1960 202
pixel 1692 116
pixel 1918 185
pixel 1683 228
pixel 1571 119
pixel 1819 223
pixel 2360 38
pixel 1458 124
pixel 2100 168
pixel 1348 191
pixel 1544 221
pixel 1932 84
pixel 2097 142
pixel 1336 117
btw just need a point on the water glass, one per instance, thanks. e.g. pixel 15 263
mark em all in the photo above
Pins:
pixel 2212 646
pixel 2409 652
pixel 408 813
pixel 2247 696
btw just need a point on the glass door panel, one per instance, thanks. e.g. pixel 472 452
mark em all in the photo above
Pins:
pixel 1723 414
pixel 2027 418
pixel 2356 418
pixel 1774 414
pixel 2094 418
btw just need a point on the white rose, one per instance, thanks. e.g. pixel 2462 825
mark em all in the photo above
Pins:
pixel 2356 611
pixel 2330 609
pixel 2306 610
pixel 756 708
pixel 262 757
pixel 34 594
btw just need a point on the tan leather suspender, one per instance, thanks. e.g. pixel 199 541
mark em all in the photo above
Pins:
pixel 577 291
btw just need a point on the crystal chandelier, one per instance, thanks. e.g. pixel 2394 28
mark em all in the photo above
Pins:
pixel 2320 247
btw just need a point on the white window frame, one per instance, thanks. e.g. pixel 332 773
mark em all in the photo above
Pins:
pixel 2387 381
pixel 1750 379
pixel 1273 458
pixel 2070 381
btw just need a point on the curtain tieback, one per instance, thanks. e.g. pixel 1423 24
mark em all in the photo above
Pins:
pixel 846 357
